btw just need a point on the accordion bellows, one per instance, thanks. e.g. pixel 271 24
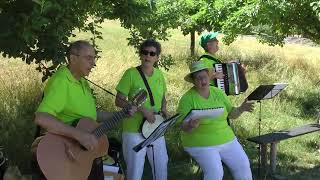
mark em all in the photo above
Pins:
pixel 234 81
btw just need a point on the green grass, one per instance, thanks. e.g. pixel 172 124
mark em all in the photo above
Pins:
pixel 298 158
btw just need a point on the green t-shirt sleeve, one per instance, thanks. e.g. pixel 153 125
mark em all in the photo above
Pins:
pixel 226 101
pixel 55 97
pixel 164 84
pixel 184 107
pixel 124 83
pixel 207 62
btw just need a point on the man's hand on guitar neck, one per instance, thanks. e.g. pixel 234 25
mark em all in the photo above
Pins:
pixel 132 110
pixel 105 116
pixel 121 101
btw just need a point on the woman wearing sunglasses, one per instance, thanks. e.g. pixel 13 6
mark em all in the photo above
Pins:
pixel 130 83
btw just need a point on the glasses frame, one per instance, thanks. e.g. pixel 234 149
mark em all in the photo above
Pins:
pixel 86 56
pixel 150 53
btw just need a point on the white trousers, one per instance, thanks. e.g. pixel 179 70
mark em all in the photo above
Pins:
pixel 135 160
pixel 210 160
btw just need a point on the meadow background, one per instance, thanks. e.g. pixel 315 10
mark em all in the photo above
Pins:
pixel 296 64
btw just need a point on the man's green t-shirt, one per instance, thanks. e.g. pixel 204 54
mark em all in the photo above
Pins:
pixel 130 83
pixel 209 61
pixel 68 99
pixel 211 131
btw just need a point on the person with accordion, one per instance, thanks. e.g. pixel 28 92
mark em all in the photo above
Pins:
pixel 209 140
pixel 230 77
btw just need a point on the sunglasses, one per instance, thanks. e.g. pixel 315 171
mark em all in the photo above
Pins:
pixel 145 52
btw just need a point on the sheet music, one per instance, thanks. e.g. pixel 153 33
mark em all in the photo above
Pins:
pixel 203 113
pixel 110 168
pixel 158 132
pixel 277 88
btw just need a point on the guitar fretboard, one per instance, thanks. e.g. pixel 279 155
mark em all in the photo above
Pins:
pixel 110 124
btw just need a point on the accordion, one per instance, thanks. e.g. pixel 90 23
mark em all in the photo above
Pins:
pixel 234 81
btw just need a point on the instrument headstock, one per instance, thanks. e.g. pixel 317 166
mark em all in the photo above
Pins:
pixel 139 98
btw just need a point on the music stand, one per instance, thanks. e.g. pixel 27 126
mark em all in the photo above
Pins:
pixel 264 92
pixel 157 133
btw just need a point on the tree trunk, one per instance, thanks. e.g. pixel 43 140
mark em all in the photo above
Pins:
pixel 192 43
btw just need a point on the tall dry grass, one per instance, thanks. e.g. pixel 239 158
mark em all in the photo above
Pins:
pixel 21 88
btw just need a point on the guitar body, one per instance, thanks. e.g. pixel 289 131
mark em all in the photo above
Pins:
pixel 53 155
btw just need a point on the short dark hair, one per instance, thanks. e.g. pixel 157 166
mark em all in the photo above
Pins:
pixel 76 46
pixel 150 43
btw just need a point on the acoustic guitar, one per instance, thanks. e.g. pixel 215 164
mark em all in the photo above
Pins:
pixel 54 151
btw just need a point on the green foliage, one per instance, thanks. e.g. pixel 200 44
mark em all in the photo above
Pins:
pixel 274 20
pixel 154 22
pixel 166 61
pixel 39 30
pixel 192 20
pixel 316 7
pixel 207 15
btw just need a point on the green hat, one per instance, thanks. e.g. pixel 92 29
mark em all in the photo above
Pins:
pixel 195 67
pixel 207 37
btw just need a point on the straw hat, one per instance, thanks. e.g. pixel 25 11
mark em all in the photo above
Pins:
pixel 195 67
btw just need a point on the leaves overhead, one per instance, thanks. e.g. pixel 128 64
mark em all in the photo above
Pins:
pixel 274 20
pixel 39 30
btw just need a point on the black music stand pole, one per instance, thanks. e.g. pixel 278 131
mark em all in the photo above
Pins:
pixel 157 133
pixel 264 92
pixel 259 124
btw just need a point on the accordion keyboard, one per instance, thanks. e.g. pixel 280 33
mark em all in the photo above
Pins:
pixel 220 82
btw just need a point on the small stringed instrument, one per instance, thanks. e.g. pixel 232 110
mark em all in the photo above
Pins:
pixel 53 152
pixel 147 128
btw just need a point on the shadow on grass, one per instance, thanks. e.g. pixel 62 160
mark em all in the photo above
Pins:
pixel 308 104
pixel 286 168
pixel 184 169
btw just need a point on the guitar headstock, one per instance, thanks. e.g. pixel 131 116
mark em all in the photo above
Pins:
pixel 139 98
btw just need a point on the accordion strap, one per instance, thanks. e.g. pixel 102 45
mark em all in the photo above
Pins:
pixel 210 57
pixel 146 84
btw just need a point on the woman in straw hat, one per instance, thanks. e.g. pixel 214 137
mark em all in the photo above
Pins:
pixel 210 141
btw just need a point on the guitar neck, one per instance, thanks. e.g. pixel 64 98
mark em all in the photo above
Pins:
pixel 109 124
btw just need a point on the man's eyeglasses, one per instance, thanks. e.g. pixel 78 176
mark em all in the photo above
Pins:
pixel 89 57
pixel 145 52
